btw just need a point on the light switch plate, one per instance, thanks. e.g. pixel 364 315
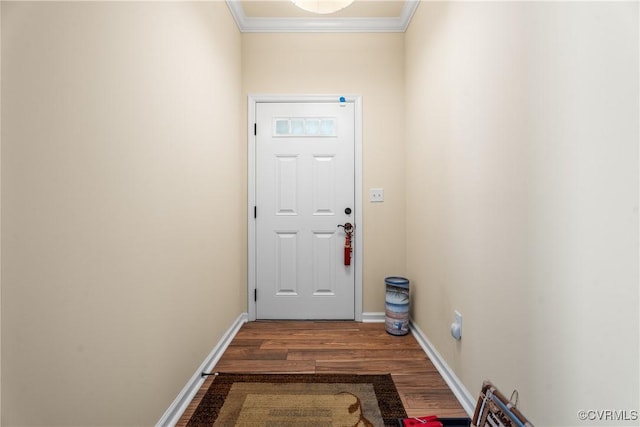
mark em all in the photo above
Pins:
pixel 376 195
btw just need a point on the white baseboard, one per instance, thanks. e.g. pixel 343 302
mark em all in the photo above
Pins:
pixel 179 405
pixel 459 390
pixel 373 317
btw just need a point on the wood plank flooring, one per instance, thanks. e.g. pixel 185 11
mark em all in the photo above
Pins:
pixel 338 347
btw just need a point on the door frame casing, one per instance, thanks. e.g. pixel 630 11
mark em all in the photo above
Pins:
pixel 254 99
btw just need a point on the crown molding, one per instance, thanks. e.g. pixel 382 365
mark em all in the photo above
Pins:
pixel 324 25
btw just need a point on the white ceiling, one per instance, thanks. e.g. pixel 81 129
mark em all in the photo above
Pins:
pixel 361 16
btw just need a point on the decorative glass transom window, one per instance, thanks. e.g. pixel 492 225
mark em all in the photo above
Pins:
pixel 304 126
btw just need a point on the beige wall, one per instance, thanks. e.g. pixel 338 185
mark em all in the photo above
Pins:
pixel 123 221
pixel 370 65
pixel 522 197
pixel 0 218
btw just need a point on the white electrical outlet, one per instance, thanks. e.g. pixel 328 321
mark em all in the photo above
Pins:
pixel 456 326
pixel 376 195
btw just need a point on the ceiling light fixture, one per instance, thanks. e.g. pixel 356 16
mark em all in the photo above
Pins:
pixel 322 6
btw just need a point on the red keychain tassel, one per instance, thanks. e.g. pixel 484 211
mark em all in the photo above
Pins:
pixel 347 254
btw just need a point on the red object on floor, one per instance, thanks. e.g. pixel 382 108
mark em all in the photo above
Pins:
pixel 429 421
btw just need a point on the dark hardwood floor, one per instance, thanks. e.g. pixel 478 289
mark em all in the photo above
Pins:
pixel 338 347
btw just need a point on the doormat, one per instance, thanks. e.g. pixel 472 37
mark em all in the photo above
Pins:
pixel 300 400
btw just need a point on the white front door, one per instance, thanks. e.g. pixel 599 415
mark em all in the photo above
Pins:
pixel 304 189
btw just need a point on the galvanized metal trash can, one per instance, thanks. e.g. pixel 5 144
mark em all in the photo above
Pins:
pixel 396 311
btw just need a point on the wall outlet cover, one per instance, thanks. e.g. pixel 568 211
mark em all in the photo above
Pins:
pixel 376 195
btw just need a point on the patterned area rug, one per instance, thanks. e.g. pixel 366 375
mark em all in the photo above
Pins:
pixel 300 400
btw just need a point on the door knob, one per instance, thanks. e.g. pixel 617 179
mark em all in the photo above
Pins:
pixel 348 227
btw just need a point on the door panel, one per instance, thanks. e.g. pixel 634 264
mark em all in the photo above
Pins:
pixel 286 260
pixel 286 182
pixel 304 183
